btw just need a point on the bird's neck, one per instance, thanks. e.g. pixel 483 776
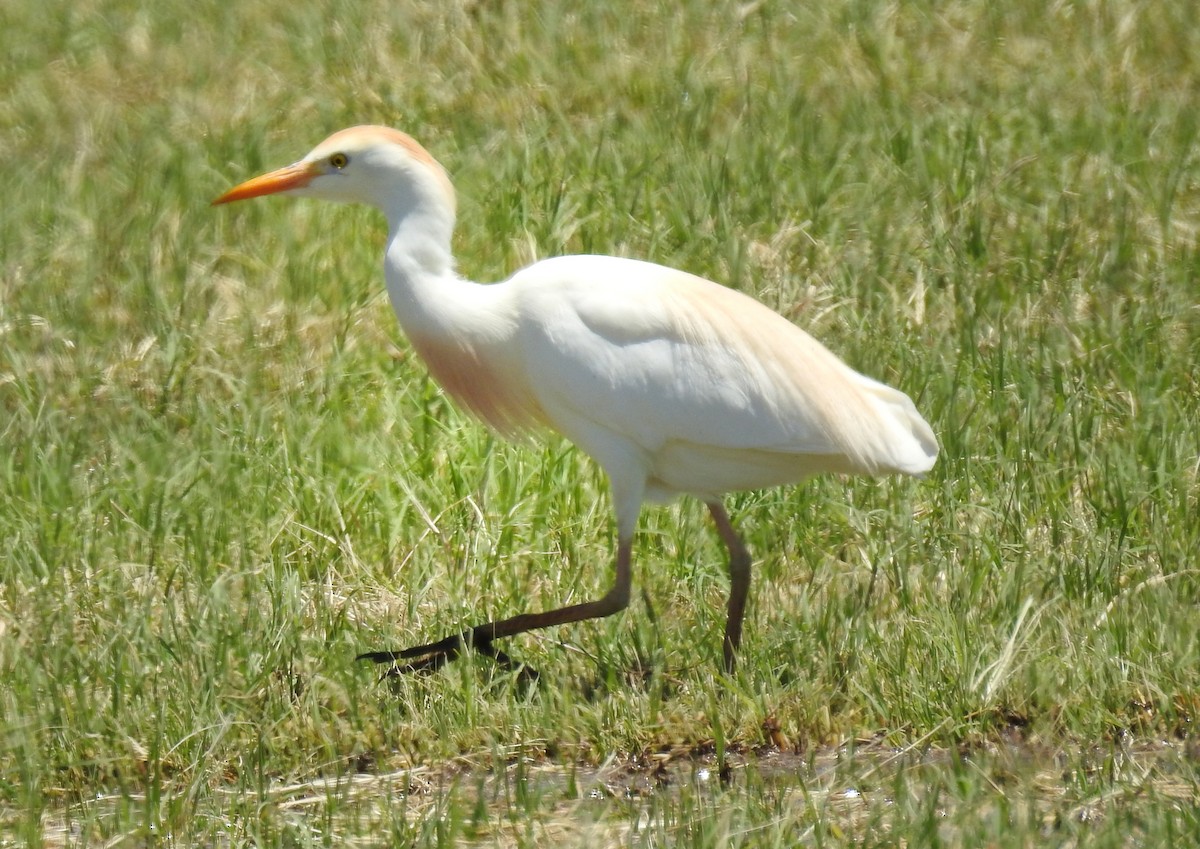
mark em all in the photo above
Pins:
pixel 461 330
pixel 419 266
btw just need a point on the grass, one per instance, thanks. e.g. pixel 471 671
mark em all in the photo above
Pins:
pixel 224 472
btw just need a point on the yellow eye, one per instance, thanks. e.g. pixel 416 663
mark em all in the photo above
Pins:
pixel 339 160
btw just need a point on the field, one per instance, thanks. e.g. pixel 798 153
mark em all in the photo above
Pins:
pixel 223 472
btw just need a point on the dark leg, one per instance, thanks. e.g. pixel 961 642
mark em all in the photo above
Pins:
pixel 434 655
pixel 739 582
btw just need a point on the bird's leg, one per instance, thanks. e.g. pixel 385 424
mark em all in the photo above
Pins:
pixel 434 655
pixel 739 582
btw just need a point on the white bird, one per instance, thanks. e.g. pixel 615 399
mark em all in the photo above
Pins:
pixel 673 384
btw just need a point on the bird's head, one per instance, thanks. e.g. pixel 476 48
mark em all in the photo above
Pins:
pixel 374 165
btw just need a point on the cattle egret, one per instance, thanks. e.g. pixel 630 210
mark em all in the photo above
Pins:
pixel 673 384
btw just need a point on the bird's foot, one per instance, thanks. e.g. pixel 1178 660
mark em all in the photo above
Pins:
pixel 428 663
pixel 433 656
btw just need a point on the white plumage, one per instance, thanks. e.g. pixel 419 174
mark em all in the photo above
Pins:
pixel 672 383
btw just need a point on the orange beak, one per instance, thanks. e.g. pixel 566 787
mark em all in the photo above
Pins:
pixel 289 177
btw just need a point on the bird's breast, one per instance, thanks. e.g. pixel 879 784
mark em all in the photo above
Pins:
pixel 481 384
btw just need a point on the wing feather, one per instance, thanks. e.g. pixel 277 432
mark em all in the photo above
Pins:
pixel 675 363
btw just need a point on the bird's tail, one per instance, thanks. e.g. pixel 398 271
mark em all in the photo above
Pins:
pixel 906 442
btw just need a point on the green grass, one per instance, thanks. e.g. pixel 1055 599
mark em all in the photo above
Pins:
pixel 223 473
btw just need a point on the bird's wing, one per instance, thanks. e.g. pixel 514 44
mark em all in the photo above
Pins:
pixel 660 356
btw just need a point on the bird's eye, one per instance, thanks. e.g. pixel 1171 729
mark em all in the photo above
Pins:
pixel 339 160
